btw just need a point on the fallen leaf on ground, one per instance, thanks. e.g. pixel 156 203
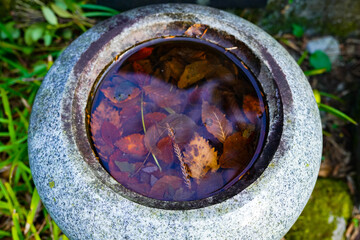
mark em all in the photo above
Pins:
pixel 215 122
pixel 132 144
pixel 196 30
pixel 200 157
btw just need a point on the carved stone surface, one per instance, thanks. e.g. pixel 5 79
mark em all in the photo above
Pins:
pixel 87 203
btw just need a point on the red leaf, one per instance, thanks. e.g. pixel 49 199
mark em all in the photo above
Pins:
pixel 163 94
pixel 109 132
pixel 141 76
pixel 166 150
pixel 152 118
pixel 163 185
pixel 215 122
pixel 132 144
pixel 104 112
pixel 141 54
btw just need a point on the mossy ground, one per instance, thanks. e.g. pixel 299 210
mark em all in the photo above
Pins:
pixel 329 201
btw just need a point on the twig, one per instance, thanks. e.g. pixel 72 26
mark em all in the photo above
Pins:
pixel 179 155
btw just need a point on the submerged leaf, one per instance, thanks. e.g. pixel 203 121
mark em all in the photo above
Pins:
pixel 237 152
pixel 215 122
pixel 152 118
pixel 104 112
pixel 252 108
pixel 195 72
pixel 182 126
pixel 200 157
pixel 132 144
pixel 164 185
pixel 166 150
pixel 163 94
pixel 141 54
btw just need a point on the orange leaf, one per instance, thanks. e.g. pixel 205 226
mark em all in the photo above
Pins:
pixel 252 108
pixel 164 185
pixel 166 150
pixel 141 75
pixel 163 94
pixel 237 152
pixel 215 122
pixel 200 157
pixel 141 54
pixel 132 144
pixel 121 92
pixel 152 118
pixel 196 30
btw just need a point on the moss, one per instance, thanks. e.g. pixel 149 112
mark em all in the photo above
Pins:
pixel 329 202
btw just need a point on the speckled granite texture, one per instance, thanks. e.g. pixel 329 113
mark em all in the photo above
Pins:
pixel 84 200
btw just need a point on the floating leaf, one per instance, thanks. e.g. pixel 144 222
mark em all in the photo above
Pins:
pixel 132 144
pixel 164 185
pixel 215 122
pixel 141 54
pixel 166 150
pixel 195 72
pixel 237 152
pixel 163 94
pixel 200 157
pixel 152 118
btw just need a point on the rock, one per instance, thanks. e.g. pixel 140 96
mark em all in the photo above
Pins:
pixel 326 214
pixel 327 44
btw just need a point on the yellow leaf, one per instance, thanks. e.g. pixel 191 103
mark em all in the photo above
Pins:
pixel 200 157
pixel 195 72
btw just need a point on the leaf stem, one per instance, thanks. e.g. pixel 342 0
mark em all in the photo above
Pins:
pixel 143 123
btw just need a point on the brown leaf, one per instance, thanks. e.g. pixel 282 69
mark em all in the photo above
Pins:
pixel 195 72
pixel 200 157
pixel 163 185
pixel 166 150
pixel 252 108
pixel 163 94
pixel 173 68
pixel 152 118
pixel 132 144
pixel 215 122
pixel 196 30
pixel 237 153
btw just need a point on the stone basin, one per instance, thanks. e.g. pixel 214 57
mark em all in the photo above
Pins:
pixel 87 203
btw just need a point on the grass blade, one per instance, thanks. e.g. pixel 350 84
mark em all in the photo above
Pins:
pixel 337 113
pixel 35 203
pixel 99 8
pixel 99 14
pixel 6 105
